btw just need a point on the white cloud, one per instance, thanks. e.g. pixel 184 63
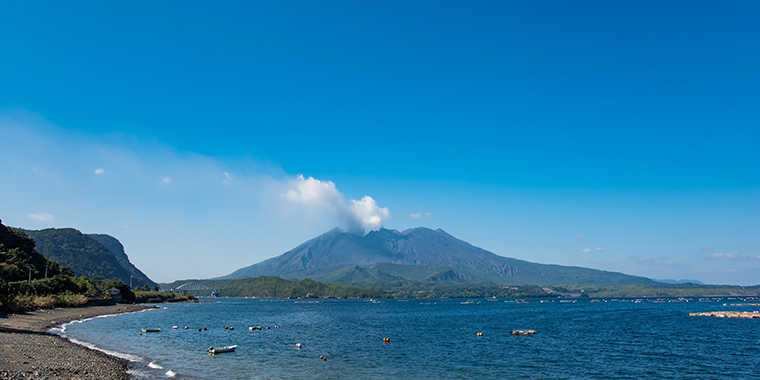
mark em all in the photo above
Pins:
pixel 420 215
pixel 659 262
pixel 42 217
pixel 359 216
pixel 732 255
pixel 227 178
pixel 598 249
pixel 167 179
pixel 99 171
pixel 580 236
pixel 585 250
pixel 368 213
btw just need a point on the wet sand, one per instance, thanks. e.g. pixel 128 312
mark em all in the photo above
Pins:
pixel 29 352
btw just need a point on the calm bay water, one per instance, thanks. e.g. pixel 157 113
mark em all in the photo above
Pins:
pixel 435 339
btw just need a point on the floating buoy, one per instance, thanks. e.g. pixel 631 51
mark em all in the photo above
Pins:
pixel 174 327
pixel 225 327
pixel 200 329
pixel 386 340
pixel 268 327
pixel 185 327
pixel 277 327
pixel 531 332
pixel 480 334
pixel 205 328
pixel 298 345
pixel 514 332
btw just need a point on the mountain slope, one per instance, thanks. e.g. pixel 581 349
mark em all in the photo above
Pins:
pixel 84 255
pixel 115 246
pixel 421 253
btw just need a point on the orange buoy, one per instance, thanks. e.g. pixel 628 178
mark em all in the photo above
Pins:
pixel 225 327
pixel 232 328
pixel 386 340
pixel 514 332
pixel 480 334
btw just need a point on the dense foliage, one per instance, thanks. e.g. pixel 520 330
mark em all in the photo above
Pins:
pixel 412 289
pixel 154 296
pixel 83 254
pixel 115 246
pixel 419 289
pixel 28 280
pixel 275 287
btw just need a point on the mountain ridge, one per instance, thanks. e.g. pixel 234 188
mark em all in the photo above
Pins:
pixel 86 256
pixel 413 250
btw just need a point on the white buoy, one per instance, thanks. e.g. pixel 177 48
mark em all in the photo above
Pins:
pixel 174 327
pixel 155 365
pixel 298 345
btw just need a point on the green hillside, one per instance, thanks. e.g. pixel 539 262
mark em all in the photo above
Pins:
pixel 84 255
pixel 30 281
pixel 275 287
pixel 401 272
pixel 18 256
pixel 115 246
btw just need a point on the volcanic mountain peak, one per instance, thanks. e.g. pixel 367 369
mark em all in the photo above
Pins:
pixel 416 253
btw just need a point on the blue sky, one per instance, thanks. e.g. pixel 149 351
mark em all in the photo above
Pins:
pixel 615 136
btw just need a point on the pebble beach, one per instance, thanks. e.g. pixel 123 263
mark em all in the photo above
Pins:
pixel 30 352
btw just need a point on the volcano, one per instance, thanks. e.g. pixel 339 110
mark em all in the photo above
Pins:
pixel 417 254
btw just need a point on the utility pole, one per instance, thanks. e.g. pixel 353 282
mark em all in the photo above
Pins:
pixel 46 270
pixel 30 275
pixel 130 282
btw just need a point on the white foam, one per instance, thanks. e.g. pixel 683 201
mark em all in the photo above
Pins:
pixel 61 331
pixel 120 355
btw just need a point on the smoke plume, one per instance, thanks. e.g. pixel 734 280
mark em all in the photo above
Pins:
pixel 358 216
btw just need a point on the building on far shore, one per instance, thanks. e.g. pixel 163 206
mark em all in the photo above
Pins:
pixel 115 295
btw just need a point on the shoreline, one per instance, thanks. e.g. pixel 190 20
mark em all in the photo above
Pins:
pixel 31 352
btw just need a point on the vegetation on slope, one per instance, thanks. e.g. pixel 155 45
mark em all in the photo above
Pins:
pixel 275 287
pixel 82 254
pixel 146 296
pixel 29 281
pixel 420 289
pixel 115 246
pixel 657 290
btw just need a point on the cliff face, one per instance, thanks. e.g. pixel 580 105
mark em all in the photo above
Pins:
pixel 85 255
pixel 115 246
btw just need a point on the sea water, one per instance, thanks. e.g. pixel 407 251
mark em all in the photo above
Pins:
pixel 433 339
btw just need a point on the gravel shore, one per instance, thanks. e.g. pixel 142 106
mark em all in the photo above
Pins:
pixel 29 352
